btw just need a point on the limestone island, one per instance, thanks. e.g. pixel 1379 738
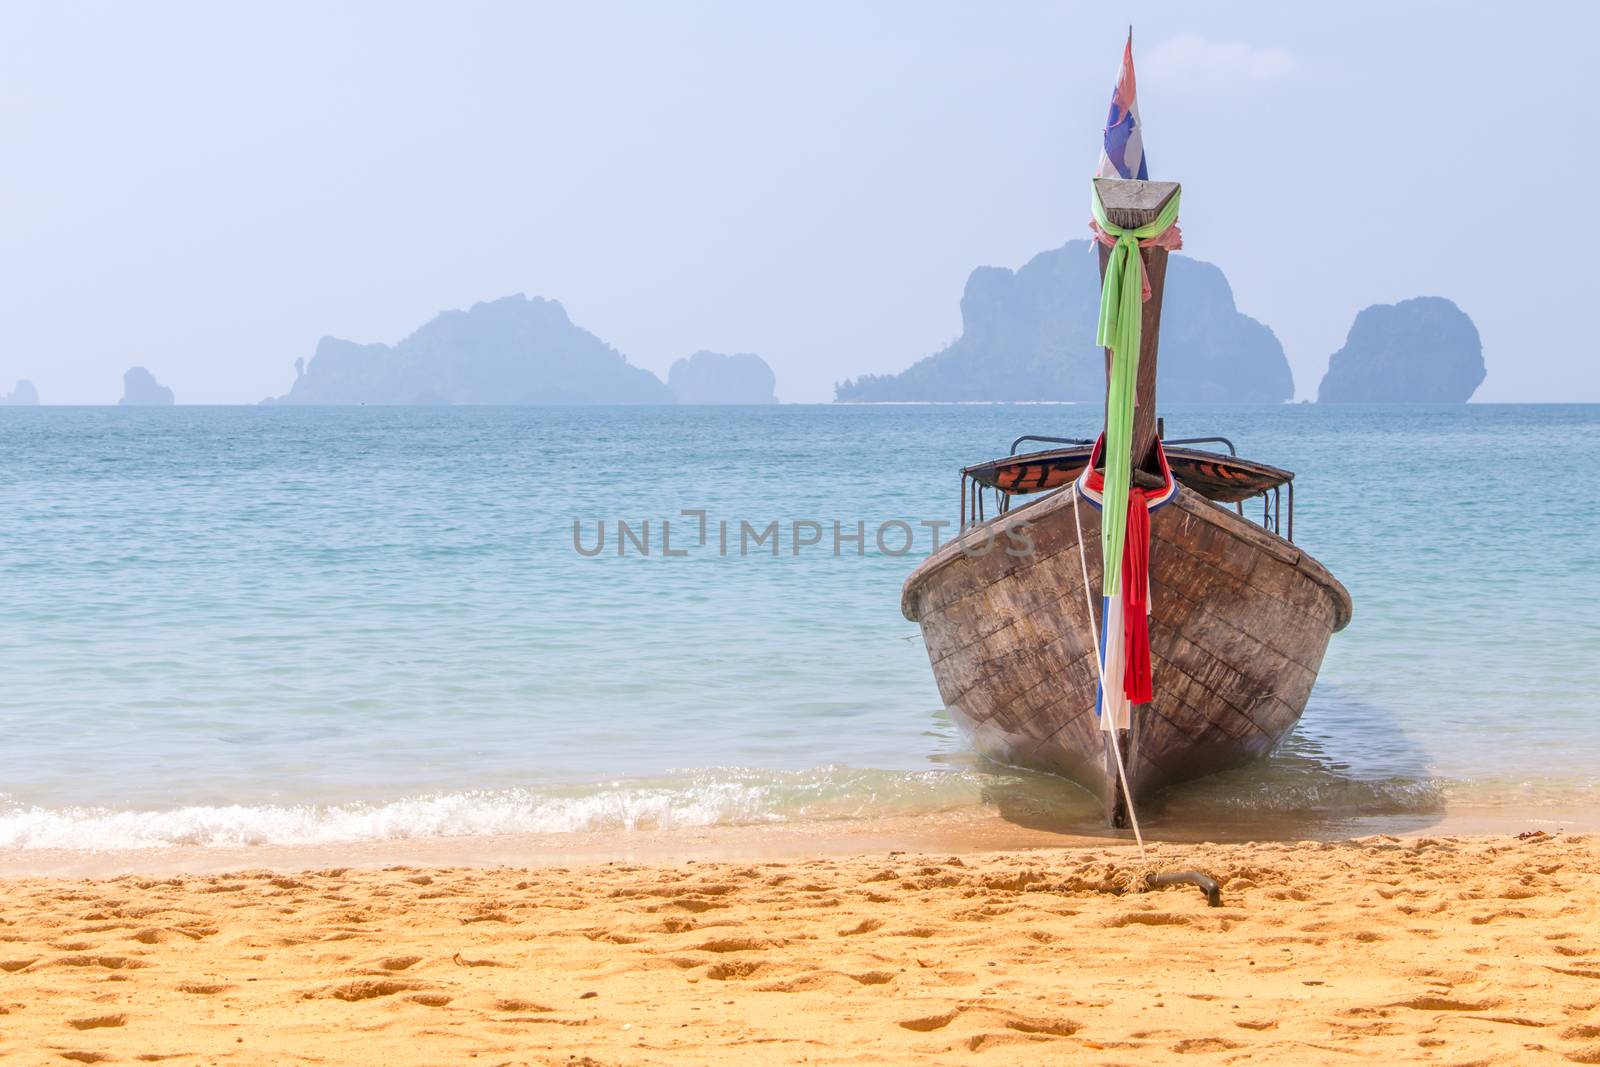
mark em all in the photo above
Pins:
pixel 23 396
pixel 140 389
pixel 713 378
pixel 1420 351
pixel 514 350
pixel 1028 334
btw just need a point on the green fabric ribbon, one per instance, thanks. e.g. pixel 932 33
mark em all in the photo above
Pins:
pixel 1120 329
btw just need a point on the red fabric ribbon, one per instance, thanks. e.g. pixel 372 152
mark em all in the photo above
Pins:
pixel 1170 238
pixel 1136 679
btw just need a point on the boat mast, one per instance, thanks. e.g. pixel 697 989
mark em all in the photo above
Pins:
pixel 1130 203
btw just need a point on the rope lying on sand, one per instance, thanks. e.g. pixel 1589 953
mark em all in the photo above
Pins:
pixel 1206 884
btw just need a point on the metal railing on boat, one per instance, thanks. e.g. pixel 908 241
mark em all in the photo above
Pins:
pixel 1272 513
pixel 1234 452
pixel 1048 441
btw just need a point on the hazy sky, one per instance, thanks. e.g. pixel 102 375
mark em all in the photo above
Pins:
pixel 209 188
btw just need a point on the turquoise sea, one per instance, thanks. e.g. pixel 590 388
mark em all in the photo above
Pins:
pixel 251 625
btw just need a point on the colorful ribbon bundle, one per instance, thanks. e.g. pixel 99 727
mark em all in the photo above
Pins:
pixel 1124 510
pixel 1124 617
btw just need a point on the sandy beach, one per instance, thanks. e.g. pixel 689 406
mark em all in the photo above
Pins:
pixel 1452 950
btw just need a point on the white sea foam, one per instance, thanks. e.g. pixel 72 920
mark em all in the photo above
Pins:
pixel 730 797
pixel 727 796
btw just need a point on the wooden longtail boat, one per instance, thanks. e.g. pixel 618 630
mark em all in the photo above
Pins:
pixel 1239 616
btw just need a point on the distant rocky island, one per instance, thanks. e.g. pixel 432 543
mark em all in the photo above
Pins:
pixel 1029 335
pixel 514 350
pixel 713 378
pixel 1424 350
pixel 23 396
pixel 140 389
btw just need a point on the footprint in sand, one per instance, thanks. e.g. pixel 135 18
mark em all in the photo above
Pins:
pixel 430 1000
pixel 738 944
pixel 810 982
pixel 1050 1027
pixel 367 989
pixel 528 1007
pixel 874 977
pixel 462 961
pixel 1149 918
pixel 1204 1044
pixel 112 963
pixel 915 931
pixel 697 904
pixel 925 1023
pixel 1441 1003
pixel 398 963
pixel 732 969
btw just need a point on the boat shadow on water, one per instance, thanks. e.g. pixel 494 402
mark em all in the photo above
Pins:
pixel 1347 769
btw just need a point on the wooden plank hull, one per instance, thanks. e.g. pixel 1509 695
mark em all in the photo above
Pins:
pixel 1240 621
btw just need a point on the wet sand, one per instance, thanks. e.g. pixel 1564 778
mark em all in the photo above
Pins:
pixel 956 832
pixel 1480 949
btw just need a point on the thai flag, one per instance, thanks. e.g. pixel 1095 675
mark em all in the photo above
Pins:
pixel 1123 154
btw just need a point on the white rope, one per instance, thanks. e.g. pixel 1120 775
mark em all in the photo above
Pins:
pixel 1099 671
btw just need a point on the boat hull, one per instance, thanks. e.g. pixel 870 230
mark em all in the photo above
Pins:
pixel 1240 619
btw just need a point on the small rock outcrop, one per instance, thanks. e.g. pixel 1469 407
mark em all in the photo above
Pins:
pixel 140 389
pixel 508 351
pixel 1419 351
pixel 23 396
pixel 713 378
pixel 1028 334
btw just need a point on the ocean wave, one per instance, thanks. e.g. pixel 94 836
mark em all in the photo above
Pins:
pixel 746 797
pixel 727 798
